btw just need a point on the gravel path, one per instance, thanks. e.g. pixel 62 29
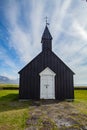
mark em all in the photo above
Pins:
pixel 55 116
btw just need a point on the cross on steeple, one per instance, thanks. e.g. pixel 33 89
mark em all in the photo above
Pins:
pixel 46 18
pixel 46 38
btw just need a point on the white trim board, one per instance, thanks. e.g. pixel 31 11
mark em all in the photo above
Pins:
pixel 47 84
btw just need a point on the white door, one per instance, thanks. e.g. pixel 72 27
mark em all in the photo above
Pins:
pixel 47 84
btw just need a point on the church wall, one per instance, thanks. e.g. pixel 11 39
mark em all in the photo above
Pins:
pixel 30 79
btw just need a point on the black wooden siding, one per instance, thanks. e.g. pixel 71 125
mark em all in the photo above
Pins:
pixel 30 79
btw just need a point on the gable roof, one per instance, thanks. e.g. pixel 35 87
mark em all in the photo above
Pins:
pixel 47 71
pixel 62 62
pixel 30 62
pixel 40 55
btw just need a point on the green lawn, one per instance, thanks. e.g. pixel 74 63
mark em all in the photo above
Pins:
pixel 81 101
pixel 8 86
pixel 13 113
pixel 81 95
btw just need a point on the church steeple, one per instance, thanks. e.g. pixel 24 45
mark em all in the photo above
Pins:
pixel 46 40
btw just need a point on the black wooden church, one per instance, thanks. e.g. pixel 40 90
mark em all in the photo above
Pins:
pixel 46 76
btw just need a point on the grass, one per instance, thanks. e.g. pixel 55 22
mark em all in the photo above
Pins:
pixel 13 113
pixel 8 86
pixel 81 100
pixel 81 95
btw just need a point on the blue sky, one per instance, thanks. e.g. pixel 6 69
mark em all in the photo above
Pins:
pixel 22 24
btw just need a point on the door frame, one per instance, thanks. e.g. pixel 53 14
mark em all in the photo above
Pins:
pixel 47 72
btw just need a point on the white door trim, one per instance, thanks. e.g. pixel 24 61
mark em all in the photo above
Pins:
pixel 47 84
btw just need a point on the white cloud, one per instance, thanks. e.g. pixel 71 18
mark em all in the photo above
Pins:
pixel 8 61
pixel 37 16
pixel 80 31
pixel 64 19
pixel 8 67
pixel 19 39
pixel 24 42
pixel 21 43
pixel 58 18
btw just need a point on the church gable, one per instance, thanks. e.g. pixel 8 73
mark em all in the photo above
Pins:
pixel 43 60
pixel 59 60
pixel 46 76
pixel 47 56
pixel 47 71
pixel 31 62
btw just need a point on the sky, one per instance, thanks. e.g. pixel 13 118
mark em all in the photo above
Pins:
pixel 22 23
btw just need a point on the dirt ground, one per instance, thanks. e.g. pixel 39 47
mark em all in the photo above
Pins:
pixel 49 115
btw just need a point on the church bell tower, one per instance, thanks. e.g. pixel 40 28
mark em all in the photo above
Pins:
pixel 46 39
